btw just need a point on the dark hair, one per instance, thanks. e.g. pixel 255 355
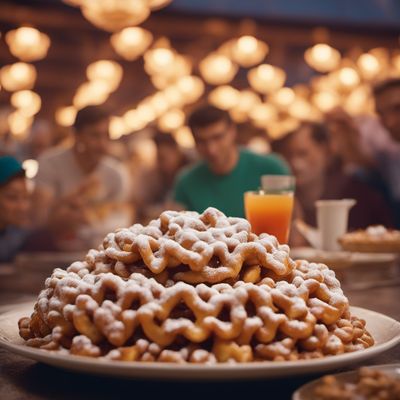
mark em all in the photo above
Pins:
pixel 381 87
pixel 18 175
pixel 205 116
pixel 318 132
pixel 165 139
pixel 89 116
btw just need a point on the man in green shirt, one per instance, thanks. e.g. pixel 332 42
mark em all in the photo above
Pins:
pixel 226 171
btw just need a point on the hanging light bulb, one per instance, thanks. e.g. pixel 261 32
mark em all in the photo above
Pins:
pixel 171 120
pixel 283 97
pixel 302 109
pixel 19 124
pixel 266 78
pixel 114 15
pixel 31 168
pixel 91 93
pixel 27 102
pixel 117 128
pixel 263 113
pixel 191 88
pixel 247 101
pixel 322 57
pixel 159 103
pixel 65 116
pixel 184 137
pixel 325 101
pixel 134 121
pixel 359 101
pixel 157 4
pixel 248 51
pixel 132 42
pixel 369 66
pixel 18 76
pixel 157 60
pixel 107 71
pixel 348 77
pixel 27 44
pixel 217 69
pixel 224 97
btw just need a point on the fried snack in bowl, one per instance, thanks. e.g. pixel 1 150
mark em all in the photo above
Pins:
pixel 194 288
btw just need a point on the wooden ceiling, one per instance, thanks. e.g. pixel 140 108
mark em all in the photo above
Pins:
pixel 76 43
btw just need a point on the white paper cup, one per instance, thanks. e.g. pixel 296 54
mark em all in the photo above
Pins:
pixel 332 220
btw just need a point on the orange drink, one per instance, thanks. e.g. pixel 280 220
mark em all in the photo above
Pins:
pixel 270 209
pixel 269 213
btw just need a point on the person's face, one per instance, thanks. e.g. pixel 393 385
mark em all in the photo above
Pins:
pixel 216 143
pixel 14 203
pixel 307 158
pixel 388 108
pixel 93 141
pixel 169 159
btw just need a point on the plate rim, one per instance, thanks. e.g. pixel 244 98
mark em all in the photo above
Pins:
pixel 221 371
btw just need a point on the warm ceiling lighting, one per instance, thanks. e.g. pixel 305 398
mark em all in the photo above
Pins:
pixel 325 101
pixel 133 121
pixel 224 97
pixel 91 93
pixel 191 88
pixel 171 120
pixel 28 44
pixel 27 102
pixel 157 60
pixel 18 76
pixel 157 4
pixel 146 112
pixel 174 97
pixel 279 129
pixel 369 66
pixel 106 71
pixel 247 101
pixel 65 116
pixel 303 110
pixel 262 114
pixel 322 57
pixel 348 77
pixel 19 124
pixel 131 42
pixel 116 128
pixel 184 137
pixel 159 103
pixel 359 101
pixel 31 168
pixel 114 15
pixel 217 69
pixel 248 51
pixel 266 78
pixel 283 97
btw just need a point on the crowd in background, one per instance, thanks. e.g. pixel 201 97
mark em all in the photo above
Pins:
pixel 87 185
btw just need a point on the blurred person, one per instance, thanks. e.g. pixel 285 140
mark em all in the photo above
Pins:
pixel 372 147
pixel 319 175
pixel 156 183
pixel 226 171
pixel 14 208
pixel 80 192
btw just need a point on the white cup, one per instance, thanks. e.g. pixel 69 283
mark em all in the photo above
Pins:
pixel 332 219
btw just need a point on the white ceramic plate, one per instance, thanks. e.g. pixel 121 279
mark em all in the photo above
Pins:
pixel 385 330
pixel 342 258
pixel 306 392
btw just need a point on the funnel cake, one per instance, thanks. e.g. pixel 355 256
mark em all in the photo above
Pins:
pixel 194 288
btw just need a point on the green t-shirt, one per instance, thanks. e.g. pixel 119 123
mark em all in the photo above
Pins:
pixel 198 187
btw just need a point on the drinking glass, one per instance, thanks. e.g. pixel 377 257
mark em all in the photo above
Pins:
pixel 269 210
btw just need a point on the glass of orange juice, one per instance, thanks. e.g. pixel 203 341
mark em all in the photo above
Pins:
pixel 269 210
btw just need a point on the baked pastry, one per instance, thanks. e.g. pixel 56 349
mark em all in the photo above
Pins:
pixel 374 239
pixel 195 288
pixel 370 385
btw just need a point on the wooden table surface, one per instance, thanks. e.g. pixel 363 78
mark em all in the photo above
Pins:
pixel 21 378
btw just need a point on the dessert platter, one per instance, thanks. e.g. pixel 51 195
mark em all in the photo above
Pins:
pixel 378 382
pixel 374 239
pixel 195 296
